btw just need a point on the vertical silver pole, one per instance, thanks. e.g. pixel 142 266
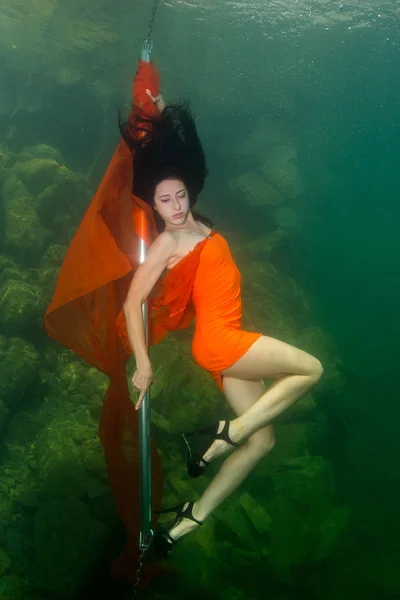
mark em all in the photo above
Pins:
pixel 146 532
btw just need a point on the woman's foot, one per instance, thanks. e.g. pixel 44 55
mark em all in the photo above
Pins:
pixel 186 520
pixel 219 447
pixel 185 525
pixel 223 436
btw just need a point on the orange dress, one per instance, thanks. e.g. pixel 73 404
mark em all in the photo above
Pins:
pixel 218 341
pixel 204 284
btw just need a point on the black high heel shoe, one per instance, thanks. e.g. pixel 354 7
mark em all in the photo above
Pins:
pixel 163 542
pixel 196 464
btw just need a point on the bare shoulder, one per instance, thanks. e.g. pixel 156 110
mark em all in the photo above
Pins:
pixel 165 242
pixel 206 230
pixel 161 250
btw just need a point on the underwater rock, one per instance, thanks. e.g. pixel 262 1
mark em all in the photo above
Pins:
pixel 39 151
pixel 93 457
pixel 238 524
pixel 291 442
pixel 67 541
pixel 22 307
pixel 62 203
pixel 49 269
pixel 282 172
pixel 302 500
pixel 261 247
pixel 53 256
pixel 256 513
pixel 331 530
pixel 6 99
pixel 36 173
pixel 83 34
pixel 4 159
pixel 10 270
pixel 256 190
pixel 3 415
pixel 5 562
pixel 45 8
pixel 11 588
pixel 302 411
pixel 287 218
pixel 19 362
pixel 274 151
pixel 59 462
pixel 24 235
pixel 28 498
pixel 23 427
pixel 68 76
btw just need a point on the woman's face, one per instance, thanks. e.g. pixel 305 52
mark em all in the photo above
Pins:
pixel 171 200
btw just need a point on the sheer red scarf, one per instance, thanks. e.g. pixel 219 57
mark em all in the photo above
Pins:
pixel 90 291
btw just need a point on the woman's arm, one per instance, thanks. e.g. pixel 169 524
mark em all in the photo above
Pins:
pixel 143 281
pixel 158 101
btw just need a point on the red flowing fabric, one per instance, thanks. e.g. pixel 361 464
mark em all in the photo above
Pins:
pixel 89 295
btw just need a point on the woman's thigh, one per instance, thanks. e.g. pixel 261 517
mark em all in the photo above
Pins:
pixel 241 394
pixel 269 358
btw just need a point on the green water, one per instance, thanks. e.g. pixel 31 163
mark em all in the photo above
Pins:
pixel 298 107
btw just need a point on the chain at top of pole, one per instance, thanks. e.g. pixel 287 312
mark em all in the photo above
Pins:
pixel 152 17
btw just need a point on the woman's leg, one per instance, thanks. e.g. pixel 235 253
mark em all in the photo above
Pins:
pixel 241 395
pixel 296 373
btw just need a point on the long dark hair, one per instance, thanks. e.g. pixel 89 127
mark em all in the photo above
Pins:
pixel 163 147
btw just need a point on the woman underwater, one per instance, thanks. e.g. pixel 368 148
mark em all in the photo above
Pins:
pixel 170 170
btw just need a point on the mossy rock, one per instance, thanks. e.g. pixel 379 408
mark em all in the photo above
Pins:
pixel 282 171
pixel 19 362
pixel 22 307
pixel 6 264
pixel 59 461
pixel 301 501
pixel 291 442
pixel 314 484
pixel 68 76
pixel 238 524
pixel 53 256
pixel 24 235
pixel 260 248
pixel 255 512
pixel 28 498
pixel 5 562
pixel 256 190
pixel 23 427
pixel 72 374
pixel 66 196
pixel 11 588
pixel 93 456
pixel 287 218
pixel 67 543
pixel 332 529
pixel 41 151
pixel 3 415
pixel 65 477
pixel 3 163
pixel 14 188
pixel 36 173
pixel 303 411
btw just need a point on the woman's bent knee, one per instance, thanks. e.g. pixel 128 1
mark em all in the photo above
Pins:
pixel 316 370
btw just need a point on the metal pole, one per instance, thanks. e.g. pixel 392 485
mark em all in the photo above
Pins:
pixel 146 531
